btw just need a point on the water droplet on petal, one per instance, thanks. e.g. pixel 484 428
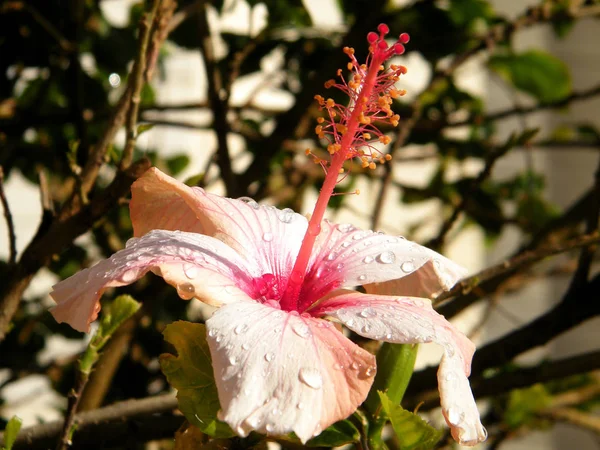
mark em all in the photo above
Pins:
pixel 269 357
pixel 186 291
pixel 286 215
pixel 483 434
pixel 250 202
pixel 367 312
pixel 267 236
pixel 362 277
pixel 407 267
pixel 212 333
pixel 453 416
pixel 450 376
pixel 245 346
pixel 368 259
pixel 366 329
pixel 190 271
pixel 311 377
pixel 300 406
pixel 350 323
pixel 241 328
pixel 354 365
pixel 340 266
pixel 128 276
pixel 386 257
pixel 346 244
pixel 233 360
pixel 345 227
pixel 301 329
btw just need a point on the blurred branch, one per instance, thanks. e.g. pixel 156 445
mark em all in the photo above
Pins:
pixel 507 380
pixel 574 416
pixel 517 263
pixel 498 33
pixel 575 96
pixel 136 83
pixel 575 308
pixel 146 419
pixel 12 238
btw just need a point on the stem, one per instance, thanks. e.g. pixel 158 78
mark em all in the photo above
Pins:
pixel 290 298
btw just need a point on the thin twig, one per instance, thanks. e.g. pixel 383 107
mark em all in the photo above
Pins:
pixel 110 424
pixel 136 84
pixel 219 102
pixel 12 238
pixel 517 263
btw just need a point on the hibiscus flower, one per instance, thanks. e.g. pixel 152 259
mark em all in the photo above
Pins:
pixel 282 283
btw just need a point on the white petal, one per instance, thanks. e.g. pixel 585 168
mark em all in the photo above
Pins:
pixel 267 237
pixel 278 372
pixel 347 256
pixel 198 266
pixel 407 320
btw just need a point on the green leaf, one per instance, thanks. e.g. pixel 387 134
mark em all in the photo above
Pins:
pixel 191 373
pixel 338 434
pixel 11 431
pixel 538 73
pixel 141 129
pixel 413 432
pixel 177 164
pixel 524 403
pixel 113 316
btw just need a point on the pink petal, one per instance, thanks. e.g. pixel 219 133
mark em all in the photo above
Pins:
pixel 198 266
pixel 278 372
pixel 411 320
pixel 346 256
pixel 267 237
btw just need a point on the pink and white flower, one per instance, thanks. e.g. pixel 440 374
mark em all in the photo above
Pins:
pixel 278 368
pixel 281 281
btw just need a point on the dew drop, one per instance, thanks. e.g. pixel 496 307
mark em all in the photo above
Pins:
pixel 286 215
pixel 367 312
pixel 190 271
pixel 233 360
pixel 453 416
pixel 346 244
pixel 340 266
pixel 245 346
pixel 300 406
pixel 270 427
pixel 362 277
pixel 345 227
pixel 350 323
pixel 250 202
pixel 219 338
pixel 331 256
pixel 366 329
pixel 450 376
pixel 267 236
pixel 241 328
pixel 301 329
pixel 212 333
pixel 407 267
pixel 354 365
pixel 311 377
pixel 269 357
pixel 186 291
pixel 368 260
pixel 128 276
pixel 386 257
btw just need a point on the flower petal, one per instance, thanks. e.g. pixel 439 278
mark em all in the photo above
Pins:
pixel 347 256
pixel 406 320
pixel 278 372
pixel 266 236
pixel 199 266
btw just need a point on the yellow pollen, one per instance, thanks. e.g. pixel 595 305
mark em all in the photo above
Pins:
pixel 330 103
pixel 339 72
pixel 365 164
pixel 388 157
pixel 318 129
pixel 372 165
pixel 357 192
pixel 320 119
pixel 349 51
pixel 385 139
pixel 364 120
pixel 366 136
pixel 307 152
pixel 320 99
pixel 341 170
pixel 329 83
pixel 349 66
pixel 341 128
pixel 381 67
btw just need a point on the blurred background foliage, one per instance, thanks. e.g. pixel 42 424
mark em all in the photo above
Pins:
pixel 64 67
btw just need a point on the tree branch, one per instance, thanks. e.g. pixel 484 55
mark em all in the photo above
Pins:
pixel 12 238
pixel 570 312
pixel 146 419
